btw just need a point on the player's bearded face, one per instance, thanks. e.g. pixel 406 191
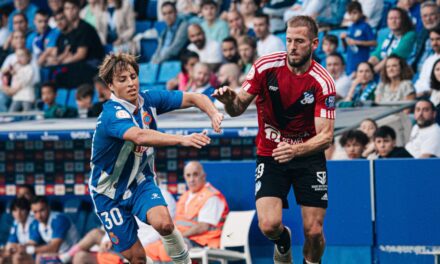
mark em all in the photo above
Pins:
pixel 296 59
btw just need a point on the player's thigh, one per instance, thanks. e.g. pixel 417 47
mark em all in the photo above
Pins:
pixel 135 254
pixel 272 180
pixel 119 223
pixel 159 218
pixel 269 211
pixel 309 180
pixel 313 219
pixel 146 197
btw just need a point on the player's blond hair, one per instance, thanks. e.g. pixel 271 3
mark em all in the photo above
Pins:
pixel 114 64
pixel 304 21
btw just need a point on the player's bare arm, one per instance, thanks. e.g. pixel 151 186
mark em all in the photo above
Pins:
pixel 153 138
pixel 235 104
pixel 322 140
pixel 202 102
pixel 52 247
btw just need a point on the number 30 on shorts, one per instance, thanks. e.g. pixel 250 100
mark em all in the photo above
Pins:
pixel 112 217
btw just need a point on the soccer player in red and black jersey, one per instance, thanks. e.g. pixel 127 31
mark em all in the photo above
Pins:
pixel 296 112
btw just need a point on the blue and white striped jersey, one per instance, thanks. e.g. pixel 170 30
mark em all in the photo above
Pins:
pixel 58 225
pixel 20 234
pixel 117 164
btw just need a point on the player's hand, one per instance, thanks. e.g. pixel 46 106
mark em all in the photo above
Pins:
pixel 224 94
pixel 197 140
pixel 284 152
pixel 105 246
pixel 216 122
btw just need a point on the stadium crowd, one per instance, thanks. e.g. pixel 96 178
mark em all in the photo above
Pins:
pixel 377 52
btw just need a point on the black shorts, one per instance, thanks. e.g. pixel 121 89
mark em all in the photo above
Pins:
pixel 307 175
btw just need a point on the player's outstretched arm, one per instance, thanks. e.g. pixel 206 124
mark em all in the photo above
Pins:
pixel 322 140
pixel 202 102
pixel 153 138
pixel 235 104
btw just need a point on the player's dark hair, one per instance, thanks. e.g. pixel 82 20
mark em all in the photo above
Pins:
pixel 185 57
pixel 385 131
pixel 435 84
pixel 40 199
pixel 355 135
pixel 304 21
pixel 20 203
pixel 352 6
pixel 168 3
pixel 337 55
pixel 85 90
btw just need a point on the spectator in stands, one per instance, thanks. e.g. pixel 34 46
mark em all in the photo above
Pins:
pixel 174 38
pixel 236 25
pixel 20 23
pixel 54 6
pixel 209 51
pixel 329 45
pixel 21 88
pixel 369 127
pixel 400 41
pixel 335 65
pixel 183 80
pixel 424 141
pixel 396 81
pixel 43 39
pixel 373 11
pixel 422 84
pixel 422 50
pixel 19 233
pixel 104 95
pixel 362 88
pixel 85 50
pixel 200 213
pixel 267 43
pixel 354 142
pixel 385 144
pixel 359 38
pixel 248 9
pixel 61 49
pixel 51 109
pixel 228 75
pixel 435 85
pixel 230 50
pixel 4 31
pixel 81 252
pixel 275 10
pixel 84 97
pixel 332 15
pixel 247 48
pixel 94 14
pixel 215 29
pixel 50 232
pixel 25 7
pixel 200 80
pixel 119 24
pixel 188 8
pixel 413 9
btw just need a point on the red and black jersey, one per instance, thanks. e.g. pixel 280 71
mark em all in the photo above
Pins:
pixel 287 103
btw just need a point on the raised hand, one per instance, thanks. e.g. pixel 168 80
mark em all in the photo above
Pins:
pixel 224 94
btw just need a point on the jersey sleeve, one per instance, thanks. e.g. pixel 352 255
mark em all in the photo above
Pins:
pixel 60 226
pixel 164 101
pixel 13 238
pixel 116 123
pixel 252 84
pixel 325 96
pixel 34 234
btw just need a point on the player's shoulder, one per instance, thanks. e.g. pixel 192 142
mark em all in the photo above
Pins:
pixel 113 110
pixel 322 77
pixel 270 61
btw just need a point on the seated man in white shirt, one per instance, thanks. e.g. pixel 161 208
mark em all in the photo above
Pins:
pixel 267 43
pixel 200 215
pixel 425 135
pixel 209 51
pixel 335 65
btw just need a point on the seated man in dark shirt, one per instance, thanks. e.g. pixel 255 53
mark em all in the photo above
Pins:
pixel 385 144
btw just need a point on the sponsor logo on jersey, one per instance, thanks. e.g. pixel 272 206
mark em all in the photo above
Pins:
pixel 324 197
pixel 308 98
pixel 120 114
pixel 273 88
pixel 272 133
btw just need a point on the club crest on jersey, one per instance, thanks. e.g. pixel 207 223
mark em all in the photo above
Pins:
pixel 251 73
pixel 120 114
pixel 330 102
pixel 146 118
pixel 308 98
pixel 114 238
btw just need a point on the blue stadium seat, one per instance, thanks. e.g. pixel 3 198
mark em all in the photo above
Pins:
pixel 6 221
pixel 148 47
pixel 160 26
pixel 147 73
pixel 157 87
pixel 168 70
pixel 71 102
pixel 92 221
pixel 141 26
pixel 108 48
pixel 282 36
pixel 152 10
pixel 62 96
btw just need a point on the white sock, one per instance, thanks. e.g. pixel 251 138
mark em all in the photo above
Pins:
pixel 176 247
pixel 308 262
